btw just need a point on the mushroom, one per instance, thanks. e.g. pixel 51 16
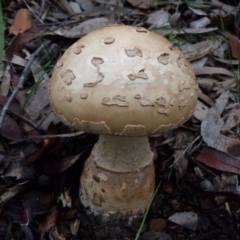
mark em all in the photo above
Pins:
pixel 123 83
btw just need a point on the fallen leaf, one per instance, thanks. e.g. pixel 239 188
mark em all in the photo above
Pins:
pixel 49 223
pixel 39 99
pixel 60 165
pixel 83 28
pixel 212 135
pixel 213 70
pixel 11 192
pixel 200 111
pixel 22 22
pixel 5 81
pixel 19 169
pixel 39 202
pixel 22 39
pixel 213 138
pixel 142 3
pixel 188 220
pixel 200 23
pixel 199 12
pixel 185 30
pixel 234 45
pixel 180 163
pixel 222 101
pixel 17 60
pixel 197 50
pixel 44 145
pixel 233 117
pixel 10 129
pixel 219 160
pixel 158 18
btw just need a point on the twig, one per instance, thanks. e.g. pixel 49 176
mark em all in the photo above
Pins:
pixel 41 9
pixel 59 135
pixel 21 82
pixel 31 10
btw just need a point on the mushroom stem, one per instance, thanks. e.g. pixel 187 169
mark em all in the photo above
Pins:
pixel 118 176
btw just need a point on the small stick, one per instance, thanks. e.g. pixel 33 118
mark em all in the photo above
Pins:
pixel 21 82
pixel 59 135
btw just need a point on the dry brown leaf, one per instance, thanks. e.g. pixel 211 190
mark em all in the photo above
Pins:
pixel 219 160
pixel 234 45
pixel 185 30
pixel 210 131
pixel 198 50
pixel 49 223
pixel 17 60
pixel 22 22
pixel 83 28
pixel 22 39
pixel 212 70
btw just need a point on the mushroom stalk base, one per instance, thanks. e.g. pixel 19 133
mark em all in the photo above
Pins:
pixel 118 176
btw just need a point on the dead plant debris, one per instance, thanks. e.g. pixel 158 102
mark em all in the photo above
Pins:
pixel 41 159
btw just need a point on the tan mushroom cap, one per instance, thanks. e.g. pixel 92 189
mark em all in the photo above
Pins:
pixel 123 80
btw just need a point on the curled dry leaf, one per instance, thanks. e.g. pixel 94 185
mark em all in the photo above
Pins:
pixel 22 22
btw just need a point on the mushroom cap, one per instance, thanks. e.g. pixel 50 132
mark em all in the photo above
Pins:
pixel 125 81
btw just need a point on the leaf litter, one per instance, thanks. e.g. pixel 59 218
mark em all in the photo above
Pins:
pixel 198 164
